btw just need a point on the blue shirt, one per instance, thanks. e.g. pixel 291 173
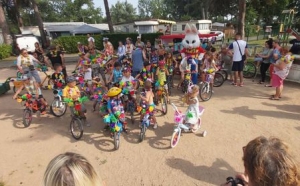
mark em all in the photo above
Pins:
pixel 117 74
pixel 137 60
pixel 272 59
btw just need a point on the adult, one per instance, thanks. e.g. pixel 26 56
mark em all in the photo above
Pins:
pixel 240 51
pixel 91 41
pixel 274 57
pixel 39 52
pixel 55 56
pixel 264 59
pixel 25 64
pixel 139 42
pixel 138 59
pixel 108 47
pixel 268 162
pixel 281 71
pixel 129 47
pixel 121 51
pixel 226 59
pixel 168 30
pixel 96 69
pixel 70 169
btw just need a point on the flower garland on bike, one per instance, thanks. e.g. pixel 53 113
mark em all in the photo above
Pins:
pixel 146 73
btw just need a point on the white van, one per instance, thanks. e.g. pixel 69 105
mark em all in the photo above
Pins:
pixel 27 42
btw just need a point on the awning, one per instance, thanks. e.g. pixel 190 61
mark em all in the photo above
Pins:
pixel 143 23
pixel 181 36
pixel 161 21
pixel 87 29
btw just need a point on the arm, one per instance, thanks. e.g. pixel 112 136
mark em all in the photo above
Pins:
pixel 167 72
pixel 34 59
pixel 19 64
pixel 137 76
pixel 18 91
pixel 47 62
pixel 63 60
pixel 144 55
pixel 281 65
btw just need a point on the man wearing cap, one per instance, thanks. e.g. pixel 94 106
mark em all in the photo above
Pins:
pixel 108 47
pixel 138 59
pixel 56 57
pixel 139 42
pixel 91 41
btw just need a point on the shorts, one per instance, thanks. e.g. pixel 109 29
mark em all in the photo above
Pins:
pixel 34 74
pixel 238 66
pixel 276 81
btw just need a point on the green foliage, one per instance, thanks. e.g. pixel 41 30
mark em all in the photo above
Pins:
pixel 157 9
pixel 122 12
pixel 69 43
pixel 5 51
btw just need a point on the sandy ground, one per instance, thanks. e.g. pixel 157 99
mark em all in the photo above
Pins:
pixel 232 117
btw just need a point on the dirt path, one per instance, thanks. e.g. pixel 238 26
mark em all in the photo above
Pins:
pixel 232 117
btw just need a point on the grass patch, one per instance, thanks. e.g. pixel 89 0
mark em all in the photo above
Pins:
pixel 258 42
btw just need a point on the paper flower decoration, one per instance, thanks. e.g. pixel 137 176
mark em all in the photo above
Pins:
pixel 151 108
pixel 78 107
pixel 177 119
pixel 189 115
pixel 139 109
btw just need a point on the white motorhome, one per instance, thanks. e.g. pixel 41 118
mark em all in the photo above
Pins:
pixel 203 26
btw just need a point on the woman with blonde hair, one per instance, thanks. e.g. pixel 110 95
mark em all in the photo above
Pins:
pixel 70 169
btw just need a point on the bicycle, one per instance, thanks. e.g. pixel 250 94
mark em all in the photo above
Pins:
pixel 170 80
pixel 30 107
pixel 218 79
pixel 116 127
pixel 44 69
pixel 76 118
pixel 187 82
pixel 127 99
pixel 206 88
pixel 182 126
pixel 250 70
pixel 160 96
pixel 58 107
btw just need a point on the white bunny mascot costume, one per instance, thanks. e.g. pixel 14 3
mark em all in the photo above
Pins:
pixel 192 49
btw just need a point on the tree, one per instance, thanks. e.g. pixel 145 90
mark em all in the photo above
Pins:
pixel 122 12
pixel 144 7
pixel 3 23
pixel 39 21
pixel 241 17
pixel 108 17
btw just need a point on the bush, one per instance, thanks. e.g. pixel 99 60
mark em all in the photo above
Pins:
pixel 5 51
pixel 69 43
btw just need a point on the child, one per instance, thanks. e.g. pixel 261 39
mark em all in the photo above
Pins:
pixel 115 106
pixel 72 92
pixel 58 77
pixel 87 70
pixel 116 74
pixel 79 62
pixel 33 89
pixel 148 98
pixel 146 73
pixel 128 83
pixel 154 60
pixel 183 67
pixel 162 74
pixel 208 67
pixel 192 113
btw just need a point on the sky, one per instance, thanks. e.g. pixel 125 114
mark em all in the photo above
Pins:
pixel 100 3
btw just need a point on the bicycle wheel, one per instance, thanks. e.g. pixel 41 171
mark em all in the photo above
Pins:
pixel 76 128
pixel 117 140
pixel 206 92
pixel 143 132
pixel 184 86
pixel 164 105
pixel 224 74
pixel 249 70
pixel 175 138
pixel 58 108
pixel 27 117
pixel 218 79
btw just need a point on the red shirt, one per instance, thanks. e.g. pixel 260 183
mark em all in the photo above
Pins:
pixel 193 52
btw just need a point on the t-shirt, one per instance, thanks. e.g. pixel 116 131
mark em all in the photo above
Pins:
pixel 162 75
pixel 193 52
pixel 25 62
pixel 127 82
pixel 237 57
pixel 69 92
pixel 91 39
pixel 295 49
pixel 58 79
pixel 115 105
pixel 55 57
pixel 88 74
pixel 275 52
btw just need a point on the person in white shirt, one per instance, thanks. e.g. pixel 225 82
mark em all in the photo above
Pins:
pixel 121 51
pixel 88 75
pixel 91 41
pixel 240 51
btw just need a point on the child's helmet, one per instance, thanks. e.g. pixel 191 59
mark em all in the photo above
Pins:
pixel 161 63
pixel 114 91
pixel 70 79
pixel 126 69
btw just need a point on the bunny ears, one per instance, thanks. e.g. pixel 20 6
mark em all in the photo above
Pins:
pixel 190 29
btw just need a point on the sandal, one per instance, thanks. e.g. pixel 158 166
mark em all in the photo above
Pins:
pixel 274 96
pixel 268 85
pixel 241 84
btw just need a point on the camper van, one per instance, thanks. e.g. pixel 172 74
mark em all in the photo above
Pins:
pixel 26 40
pixel 203 26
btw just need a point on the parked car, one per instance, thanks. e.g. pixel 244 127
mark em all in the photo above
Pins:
pixel 219 37
pixel 26 41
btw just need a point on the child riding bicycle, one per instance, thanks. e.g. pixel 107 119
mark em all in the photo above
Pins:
pixel 58 77
pixel 128 84
pixel 71 92
pixel 192 113
pixel 162 74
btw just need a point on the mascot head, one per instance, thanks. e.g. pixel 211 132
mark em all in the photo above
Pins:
pixel 191 39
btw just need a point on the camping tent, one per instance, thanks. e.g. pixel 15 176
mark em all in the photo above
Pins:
pixel 86 29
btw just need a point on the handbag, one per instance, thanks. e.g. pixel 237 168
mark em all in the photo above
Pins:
pixel 243 56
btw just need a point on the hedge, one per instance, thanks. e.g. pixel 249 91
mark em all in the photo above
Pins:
pixel 69 43
pixel 5 51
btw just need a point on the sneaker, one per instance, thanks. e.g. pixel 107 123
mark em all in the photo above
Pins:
pixel 155 126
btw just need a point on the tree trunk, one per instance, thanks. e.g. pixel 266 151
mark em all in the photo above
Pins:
pixel 39 22
pixel 3 24
pixel 241 18
pixel 108 17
